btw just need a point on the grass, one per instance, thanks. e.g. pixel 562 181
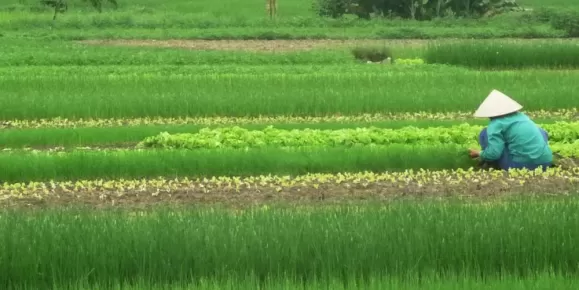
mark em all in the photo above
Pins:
pixel 50 53
pixel 505 55
pixel 21 166
pixel 540 281
pixel 420 282
pixel 20 53
pixel 516 240
pixel 208 20
pixel 172 25
pixel 551 3
pixel 401 31
pixel 315 94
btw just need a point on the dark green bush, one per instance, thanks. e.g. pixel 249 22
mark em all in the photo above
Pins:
pixel 561 19
pixel 568 21
pixel 331 8
pixel 414 9
pixel 372 53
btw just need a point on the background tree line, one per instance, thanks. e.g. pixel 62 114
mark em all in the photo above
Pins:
pixel 413 9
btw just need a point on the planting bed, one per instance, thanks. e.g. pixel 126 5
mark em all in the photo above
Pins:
pixel 116 118
pixel 305 189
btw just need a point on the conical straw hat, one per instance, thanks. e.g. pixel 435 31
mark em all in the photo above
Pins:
pixel 497 104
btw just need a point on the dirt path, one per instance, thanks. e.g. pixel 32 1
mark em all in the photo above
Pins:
pixel 286 45
pixel 255 45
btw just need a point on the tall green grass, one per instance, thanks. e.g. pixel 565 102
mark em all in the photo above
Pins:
pixel 541 281
pixel 20 166
pixel 102 136
pixel 186 56
pixel 50 53
pixel 381 30
pixel 269 94
pixel 505 55
pixel 149 70
pixel 550 3
pixel 400 241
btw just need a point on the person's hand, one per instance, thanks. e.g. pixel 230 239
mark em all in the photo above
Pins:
pixel 473 153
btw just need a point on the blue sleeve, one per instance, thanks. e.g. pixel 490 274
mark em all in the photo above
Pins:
pixel 496 143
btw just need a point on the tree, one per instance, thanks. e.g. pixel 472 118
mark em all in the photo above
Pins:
pixel 98 4
pixel 60 6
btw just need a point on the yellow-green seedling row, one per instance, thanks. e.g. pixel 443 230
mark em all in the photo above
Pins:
pixel 396 181
pixel 58 122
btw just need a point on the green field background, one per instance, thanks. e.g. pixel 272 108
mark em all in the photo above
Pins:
pixel 47 71
pixel 207 19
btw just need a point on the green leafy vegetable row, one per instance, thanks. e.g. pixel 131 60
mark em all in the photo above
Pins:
pixel 236 137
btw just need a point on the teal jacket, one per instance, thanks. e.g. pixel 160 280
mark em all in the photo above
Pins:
pixel 523 138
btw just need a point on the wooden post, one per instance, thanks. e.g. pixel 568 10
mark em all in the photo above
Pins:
pixel 271 8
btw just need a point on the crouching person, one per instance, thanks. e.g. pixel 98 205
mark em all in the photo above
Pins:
pixel 512 139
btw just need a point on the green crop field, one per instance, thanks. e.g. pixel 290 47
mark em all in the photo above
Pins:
pixel 209 145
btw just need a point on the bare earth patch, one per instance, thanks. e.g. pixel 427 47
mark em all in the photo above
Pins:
pixel 484 186
pixel 288 45
pixel 257 45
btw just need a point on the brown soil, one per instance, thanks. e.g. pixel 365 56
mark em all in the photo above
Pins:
pixel 285 45
pixel 256 45
pixel 478 186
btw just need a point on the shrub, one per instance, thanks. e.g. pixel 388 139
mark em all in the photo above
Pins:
pixel 568 21
pixel 330 8
pixel 414 9
pixel 373 54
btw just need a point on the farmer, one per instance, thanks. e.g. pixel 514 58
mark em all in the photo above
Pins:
pixel 512 139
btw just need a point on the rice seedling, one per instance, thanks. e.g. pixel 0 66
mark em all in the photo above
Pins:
pixel 75 54
pixel 418 282
pixel 19 166
pixel 517 239
pixel 512 55
pixel 162 69
pixel 25 166
pixel 316 94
